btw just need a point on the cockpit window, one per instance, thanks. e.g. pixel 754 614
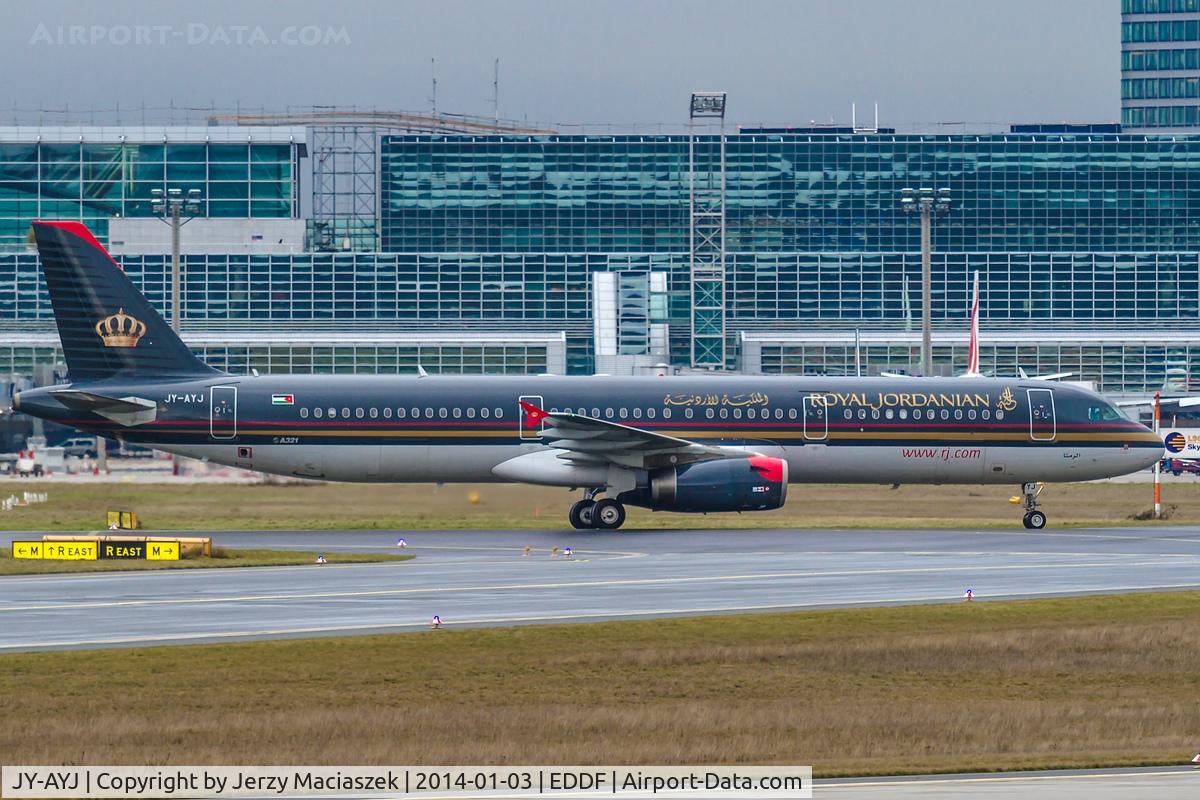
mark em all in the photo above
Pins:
pixel 1105 413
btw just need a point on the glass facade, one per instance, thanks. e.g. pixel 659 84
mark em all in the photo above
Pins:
pixel 1088 227
pixel 1160 64
pixel 106 175
pixel 381 358
pixel 1116 367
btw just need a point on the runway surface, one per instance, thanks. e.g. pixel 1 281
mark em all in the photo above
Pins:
pixel 481 578
pixel 1157 783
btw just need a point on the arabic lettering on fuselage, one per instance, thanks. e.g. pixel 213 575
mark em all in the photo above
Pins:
pixel 878 400
pixel 735 400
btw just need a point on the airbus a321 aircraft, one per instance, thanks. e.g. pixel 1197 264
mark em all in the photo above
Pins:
pixel 697 444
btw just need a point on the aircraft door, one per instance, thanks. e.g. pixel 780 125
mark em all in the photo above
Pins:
pixel 222 418
pixel 816 420
pixel 529 434
pixel 1042 424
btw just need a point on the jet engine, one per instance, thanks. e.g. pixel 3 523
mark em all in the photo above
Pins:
pixel 756 483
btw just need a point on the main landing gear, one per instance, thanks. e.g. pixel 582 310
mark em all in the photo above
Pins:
pixel 607 514
pixel 1034 519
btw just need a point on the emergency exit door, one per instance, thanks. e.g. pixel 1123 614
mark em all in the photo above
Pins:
pixel 222 419
pixel 529 433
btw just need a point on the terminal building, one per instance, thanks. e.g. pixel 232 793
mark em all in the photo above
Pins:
pixel 534 252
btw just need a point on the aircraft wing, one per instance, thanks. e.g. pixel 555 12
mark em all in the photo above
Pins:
pixel 127 411
pixel 587 440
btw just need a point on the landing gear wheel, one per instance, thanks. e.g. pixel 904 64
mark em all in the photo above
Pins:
pixel 609 514
pixel 1035 520
pixel 582 514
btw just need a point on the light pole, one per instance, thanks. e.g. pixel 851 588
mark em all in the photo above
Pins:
pixel 172 209
pixel 927 203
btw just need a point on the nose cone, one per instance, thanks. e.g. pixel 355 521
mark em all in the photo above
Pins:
pixel 16 401
pixel 1148 447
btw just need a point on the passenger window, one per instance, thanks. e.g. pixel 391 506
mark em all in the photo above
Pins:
pixel 750 413
pixel 687 412
pixel 345 412
pixel 970 413
pixel 471 413
pixel 624 413
pixel 428 413
pixel 916 413
pixel 649 413
pixel 457 412
pixel 999 414
pixel 637 413
pixel 904 413
pixel 596 413
pixel 387 413
pixel 779 413
pixel 737 413
pixel 985 414
pixel 483 412
pixel 374 412
pixel 499 413
pixel 317 413
pixel 792 413
pixel 945 413
pixel 400 413
pixel 888 413
pixel 332 413
pixel 608 412
pixel 862 413
pixel 958 413
pixel 708 412
pixel 724 413
pixel 358 412
pixel 442 412
pixel 874 413
pixel 848 414
pixel 304 413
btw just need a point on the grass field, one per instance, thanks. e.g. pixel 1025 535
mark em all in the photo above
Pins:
pixel 1076 682
pixel 222 557
pixel 183 506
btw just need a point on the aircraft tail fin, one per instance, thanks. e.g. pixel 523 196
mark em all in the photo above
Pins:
pixel 973 352
pixel 107 327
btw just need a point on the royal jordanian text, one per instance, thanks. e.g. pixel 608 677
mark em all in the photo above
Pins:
pixel 629 783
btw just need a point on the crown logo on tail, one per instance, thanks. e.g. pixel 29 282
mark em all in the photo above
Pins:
pixel 120 330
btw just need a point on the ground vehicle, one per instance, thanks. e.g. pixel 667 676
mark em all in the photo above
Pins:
pixel 1178 466
pixel 80 447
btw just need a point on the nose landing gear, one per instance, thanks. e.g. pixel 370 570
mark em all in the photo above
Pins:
pixel 607 514
pixel 1033 519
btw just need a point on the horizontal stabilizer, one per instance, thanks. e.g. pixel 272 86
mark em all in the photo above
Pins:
pixel 127 411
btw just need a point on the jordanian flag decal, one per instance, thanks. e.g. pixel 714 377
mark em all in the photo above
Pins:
pixel 283 399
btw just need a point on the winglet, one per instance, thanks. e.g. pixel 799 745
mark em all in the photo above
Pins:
pixel 533 415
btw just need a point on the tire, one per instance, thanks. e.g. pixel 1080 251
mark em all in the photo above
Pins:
pixel 1025 519
pixel 1035 520
pixel 581 514
pixel 609 514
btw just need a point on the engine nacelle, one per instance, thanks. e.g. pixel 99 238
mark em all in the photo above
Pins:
pixel 757 483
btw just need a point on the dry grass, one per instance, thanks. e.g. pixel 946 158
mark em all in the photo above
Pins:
pixel 316 505
pixel 1078 682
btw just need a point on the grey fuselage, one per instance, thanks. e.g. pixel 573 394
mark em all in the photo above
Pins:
pixel 460 429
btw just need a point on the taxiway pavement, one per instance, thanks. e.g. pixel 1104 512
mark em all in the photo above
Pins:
pixel 482 578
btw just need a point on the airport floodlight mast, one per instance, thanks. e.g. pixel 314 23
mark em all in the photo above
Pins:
pixel 172 208
pixel 706 233
pixel 927 203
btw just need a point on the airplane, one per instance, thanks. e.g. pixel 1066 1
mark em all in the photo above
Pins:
pixel 709 443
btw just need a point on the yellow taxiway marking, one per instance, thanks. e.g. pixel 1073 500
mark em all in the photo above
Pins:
pixel 500 587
